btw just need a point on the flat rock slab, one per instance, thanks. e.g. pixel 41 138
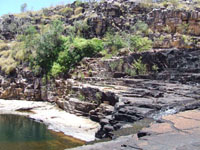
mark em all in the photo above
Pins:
pixel 176 132
pixel 55 118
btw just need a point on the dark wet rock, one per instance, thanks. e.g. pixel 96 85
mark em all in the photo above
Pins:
pixel 177 132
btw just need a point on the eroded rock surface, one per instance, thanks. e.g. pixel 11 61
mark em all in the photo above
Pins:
pixel 176 132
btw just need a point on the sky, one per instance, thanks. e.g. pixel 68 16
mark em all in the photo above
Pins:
pixel 13 6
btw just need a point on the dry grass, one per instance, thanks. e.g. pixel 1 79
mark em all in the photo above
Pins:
pixel 3 46
pixel 78 10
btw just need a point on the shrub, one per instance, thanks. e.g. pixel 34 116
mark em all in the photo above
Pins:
pixel 48 45
pixel 56 69
pixel 139 44
pixel 140 27
pixel 114 42
pixel 74 53
pixel 80 27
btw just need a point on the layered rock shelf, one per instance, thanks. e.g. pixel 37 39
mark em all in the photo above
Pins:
pixel 175 132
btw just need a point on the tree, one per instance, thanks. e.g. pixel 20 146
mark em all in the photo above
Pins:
pixel 24 7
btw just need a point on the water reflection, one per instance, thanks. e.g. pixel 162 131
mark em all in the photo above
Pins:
pixel 21 133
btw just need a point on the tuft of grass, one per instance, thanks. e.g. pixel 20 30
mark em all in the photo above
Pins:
pixel 78 10
pixel 3 46
pixel 7 64
pixel 5 53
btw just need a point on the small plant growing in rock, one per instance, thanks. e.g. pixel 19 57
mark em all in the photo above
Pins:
pixel 113 65
pixel 98 96
pixel 81 97
pixel 155 68
pixel 183 28
pixel 139 67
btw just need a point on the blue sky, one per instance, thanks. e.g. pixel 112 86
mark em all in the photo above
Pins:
pixel 13 6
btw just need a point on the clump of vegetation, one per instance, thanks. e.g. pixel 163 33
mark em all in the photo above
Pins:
pixel 66 11
pixel 74 53
pixel 81 27
pixel 114 42
pixel 139 67
pixel 140 44
pixel 78 10
pixel 8 60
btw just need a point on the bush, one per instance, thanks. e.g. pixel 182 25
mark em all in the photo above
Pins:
pixel 74 53
pixel 114 42
pixel 80 27
pixel 140 27
pixel 139 44
pixel 47 47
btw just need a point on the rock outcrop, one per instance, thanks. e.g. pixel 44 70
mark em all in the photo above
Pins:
pixel 176 132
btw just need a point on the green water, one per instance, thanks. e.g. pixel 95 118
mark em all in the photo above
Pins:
pixel 21 133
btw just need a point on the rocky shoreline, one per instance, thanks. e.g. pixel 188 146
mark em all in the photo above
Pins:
pixel 180 131
pixel 55 118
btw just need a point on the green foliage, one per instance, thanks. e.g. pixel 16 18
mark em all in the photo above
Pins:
pixel 140 27
pixel 80 27
pixel 74 53
pixel 139 67
pixel 56 69
pixel 42 49
pixel 139 44
pixel 71 31
pixel 48 45
pixel 116 65
pixel 98 96
pixel 155 68
pixel 113 42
